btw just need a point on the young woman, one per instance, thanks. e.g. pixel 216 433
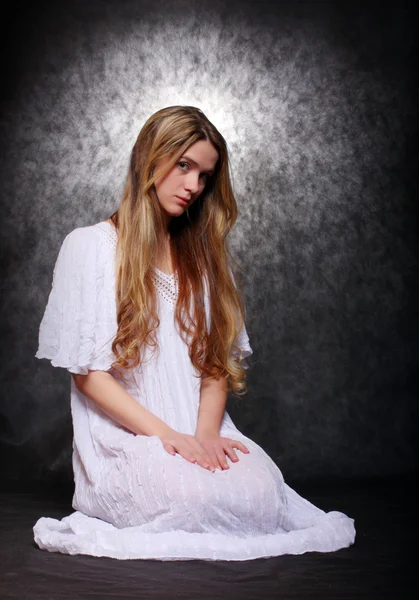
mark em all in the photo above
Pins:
pixel 146 314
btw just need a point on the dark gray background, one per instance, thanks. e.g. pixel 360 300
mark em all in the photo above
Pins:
pixel 317 102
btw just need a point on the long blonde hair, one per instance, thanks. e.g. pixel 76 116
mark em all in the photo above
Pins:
pixel 197 245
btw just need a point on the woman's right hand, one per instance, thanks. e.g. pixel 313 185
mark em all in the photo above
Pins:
pixel 188 447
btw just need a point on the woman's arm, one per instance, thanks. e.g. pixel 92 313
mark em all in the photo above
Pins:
pixel 210 415
pixel 212 404
pixel 115 401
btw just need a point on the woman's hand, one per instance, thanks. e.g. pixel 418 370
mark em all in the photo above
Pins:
pixel 188 447
pixel 218 447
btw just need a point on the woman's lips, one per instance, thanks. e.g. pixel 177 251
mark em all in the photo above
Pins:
pixel 184 202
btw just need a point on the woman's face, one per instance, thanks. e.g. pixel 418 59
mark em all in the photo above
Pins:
pixel 186 180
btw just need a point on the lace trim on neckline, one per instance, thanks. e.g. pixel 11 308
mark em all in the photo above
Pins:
pixel 166 285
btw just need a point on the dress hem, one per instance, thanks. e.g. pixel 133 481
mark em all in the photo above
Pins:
pixel 80 534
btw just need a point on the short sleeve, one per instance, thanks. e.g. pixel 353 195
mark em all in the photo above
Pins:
pixel 241 346
pixel 78 325
pixel 244 350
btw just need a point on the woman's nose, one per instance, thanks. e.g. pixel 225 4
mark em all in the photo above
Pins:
pixel 192 183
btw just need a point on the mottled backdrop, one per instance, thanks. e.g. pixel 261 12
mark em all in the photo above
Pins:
pixel 316 102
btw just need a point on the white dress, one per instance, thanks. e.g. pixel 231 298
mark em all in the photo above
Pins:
pixel 133 499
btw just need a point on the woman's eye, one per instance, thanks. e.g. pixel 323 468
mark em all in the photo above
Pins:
pixel 184 166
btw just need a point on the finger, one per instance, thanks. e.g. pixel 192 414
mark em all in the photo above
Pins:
pixel 198 447
pixel 202 459
pixel 193 458
pixel 239 446
pixel 230 453
pixel 188 456
pixel 206 463
pixel 202 456
pixel 215 459
pixel 185 452
pixel 222 459
pixel 170 449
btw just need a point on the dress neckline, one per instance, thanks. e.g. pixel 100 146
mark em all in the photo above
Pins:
pixel 165 275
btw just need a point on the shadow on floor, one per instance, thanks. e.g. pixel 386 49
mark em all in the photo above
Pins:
pixel 379 564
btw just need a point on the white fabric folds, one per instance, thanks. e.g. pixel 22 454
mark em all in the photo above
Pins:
pixel 132 499
pixel 79 322
pixel 242 341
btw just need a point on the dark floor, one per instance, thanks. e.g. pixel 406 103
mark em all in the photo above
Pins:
pixel 379 565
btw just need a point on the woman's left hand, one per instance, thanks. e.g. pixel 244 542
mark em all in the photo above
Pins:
pixel 218 447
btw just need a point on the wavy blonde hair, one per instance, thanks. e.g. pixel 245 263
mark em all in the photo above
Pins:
pixel 197 245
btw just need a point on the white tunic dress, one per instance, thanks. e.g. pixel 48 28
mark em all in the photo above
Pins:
pixel 133 499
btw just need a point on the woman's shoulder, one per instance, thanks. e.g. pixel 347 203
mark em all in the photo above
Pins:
pixel 89 247
pixel 89 237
